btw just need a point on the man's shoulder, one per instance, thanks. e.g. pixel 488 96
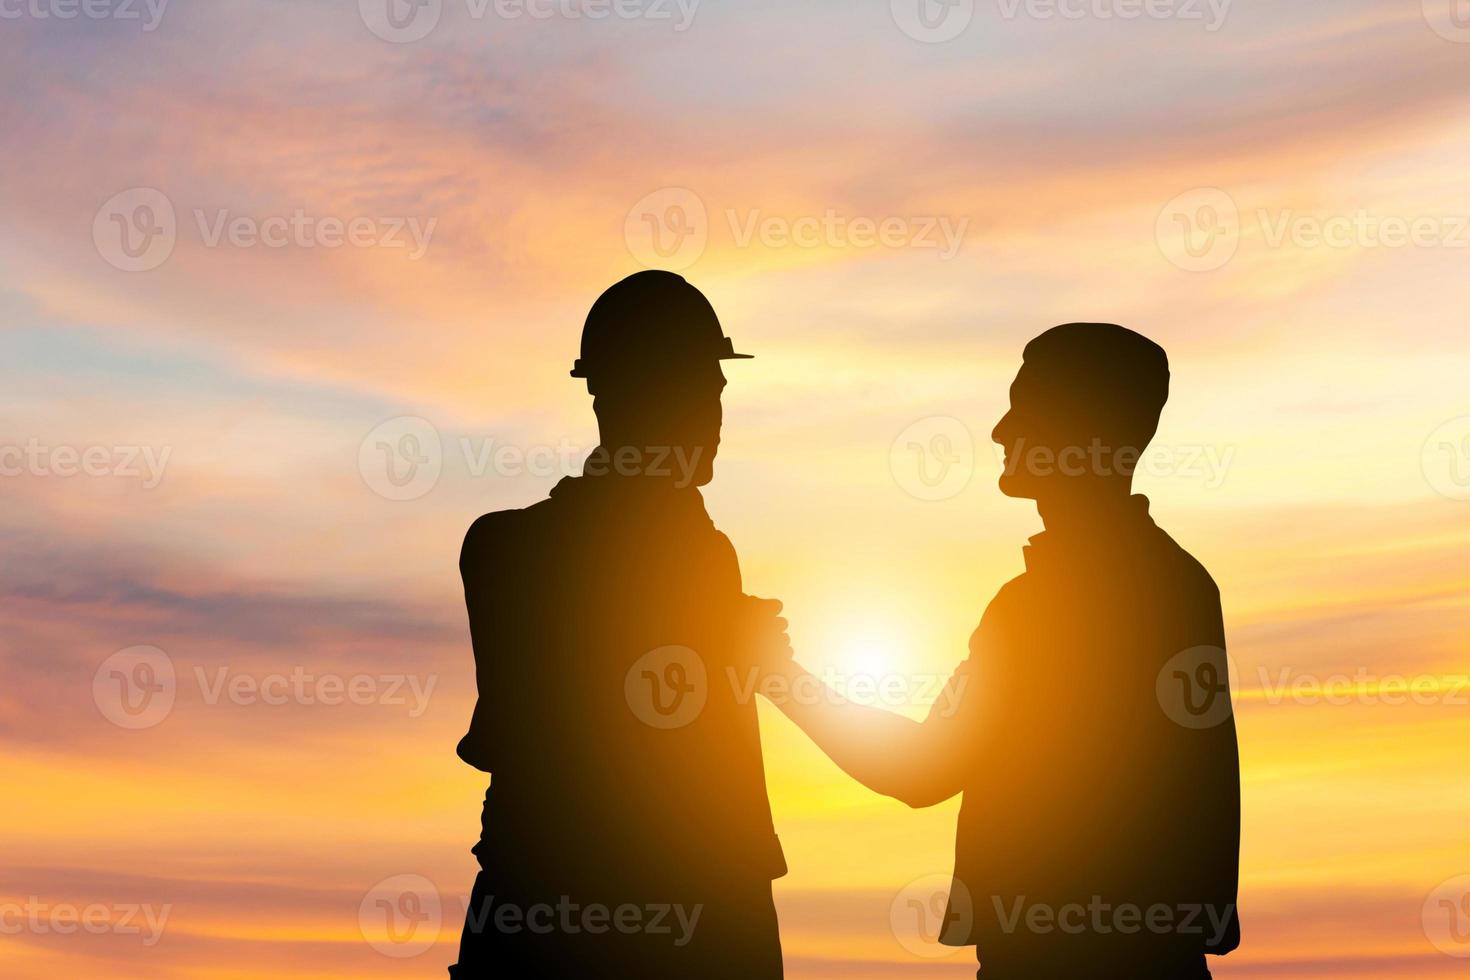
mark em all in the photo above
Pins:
pixel 1188 578
pixel 1004 606
pixel 1185 569
pixel 497 532
pixel 1011 592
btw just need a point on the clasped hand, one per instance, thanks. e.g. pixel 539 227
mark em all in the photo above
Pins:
pixel 764 648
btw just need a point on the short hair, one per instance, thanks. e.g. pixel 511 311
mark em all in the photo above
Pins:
pixel 1116 375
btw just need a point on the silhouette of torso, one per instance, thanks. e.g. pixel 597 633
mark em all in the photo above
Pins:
pixel 1093 788
pixel 620 776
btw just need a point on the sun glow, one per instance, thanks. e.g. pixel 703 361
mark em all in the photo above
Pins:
pixel 871 648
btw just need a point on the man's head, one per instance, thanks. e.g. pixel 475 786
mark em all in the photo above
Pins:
pixel 651 352
pixel 1083 407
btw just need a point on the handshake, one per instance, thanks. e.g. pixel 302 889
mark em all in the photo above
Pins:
pixel 763 649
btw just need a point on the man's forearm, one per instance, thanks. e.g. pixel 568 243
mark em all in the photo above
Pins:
pixel 886 752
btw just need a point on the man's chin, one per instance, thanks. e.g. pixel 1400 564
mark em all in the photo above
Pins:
pixel 1013 485
pixel 699 477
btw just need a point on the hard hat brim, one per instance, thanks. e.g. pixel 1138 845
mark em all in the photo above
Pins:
pixel 581 369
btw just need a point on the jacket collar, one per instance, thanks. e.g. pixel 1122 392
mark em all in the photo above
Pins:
pixel 1114 533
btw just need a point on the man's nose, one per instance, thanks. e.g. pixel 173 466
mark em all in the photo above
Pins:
pixel 998 434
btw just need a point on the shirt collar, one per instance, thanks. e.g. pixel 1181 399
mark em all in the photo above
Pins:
pixel 1124 526
pixel 630 496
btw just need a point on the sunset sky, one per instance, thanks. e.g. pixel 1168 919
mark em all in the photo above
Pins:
pixel 247 243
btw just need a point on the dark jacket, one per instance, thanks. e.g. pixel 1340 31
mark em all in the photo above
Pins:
pixel 617 778
pixel 1105 776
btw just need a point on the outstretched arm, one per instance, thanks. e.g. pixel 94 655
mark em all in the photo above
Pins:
pixel 920 763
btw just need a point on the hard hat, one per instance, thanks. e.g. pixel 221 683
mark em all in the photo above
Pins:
pixel 651 317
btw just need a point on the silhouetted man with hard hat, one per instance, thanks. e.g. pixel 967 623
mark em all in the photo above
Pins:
pixel 1090 730
pixel 627 830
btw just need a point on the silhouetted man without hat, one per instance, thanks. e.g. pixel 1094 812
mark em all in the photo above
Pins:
pixel 627 830
pixel 1090 730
